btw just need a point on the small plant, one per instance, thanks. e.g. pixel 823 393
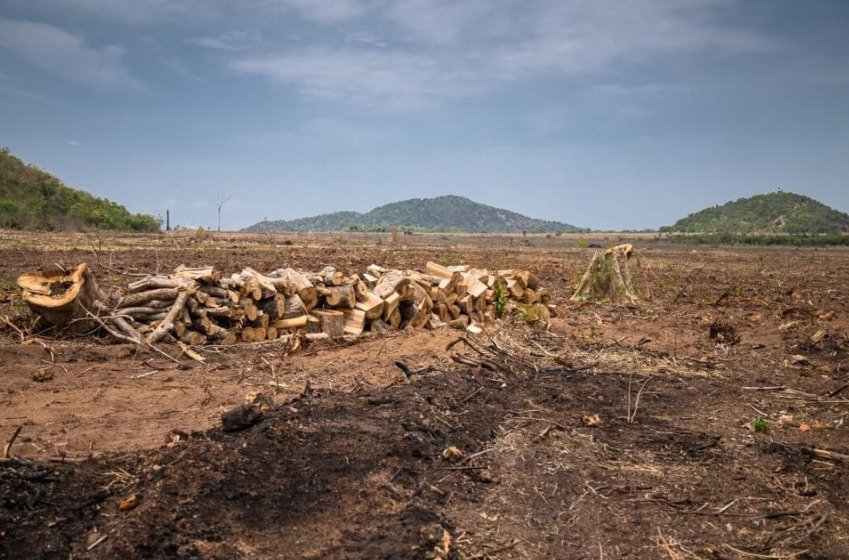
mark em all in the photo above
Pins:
pixel 500 300
pixel 761 425
pixel 581 243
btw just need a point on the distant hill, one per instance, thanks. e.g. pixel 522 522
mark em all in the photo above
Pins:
pixel 778 212
pixel 31 198
pixel 443 213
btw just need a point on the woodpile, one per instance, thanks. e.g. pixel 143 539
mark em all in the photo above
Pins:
pixel 199 306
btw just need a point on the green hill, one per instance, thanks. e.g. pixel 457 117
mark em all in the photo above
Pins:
pixel 33 199
pixel 444 213
pixel 778 212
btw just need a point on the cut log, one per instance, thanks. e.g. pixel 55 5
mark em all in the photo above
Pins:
pixel 331 322
pixel 192 338
pixel 302 286
pixel 282 324
pixel 64 299
pixel 205 274
pixel 439 270
pixel 294 307
pixel 392 282
pixel 247 334
pixel 390 305
pixel 331 277
pixel 274 308
pixel 271 333
pixel 140 298
pixel 372 306
pixel 267 288
pixel 527 279
pixel 250 309
pixel 355 320
pixel 168 322
pixel 158 282
pixel 361 290
pixel 394 318
pixel 370 280
pixel 347 297
pixel 220 293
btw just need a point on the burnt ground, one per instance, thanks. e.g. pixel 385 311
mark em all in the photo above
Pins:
pixel 608 433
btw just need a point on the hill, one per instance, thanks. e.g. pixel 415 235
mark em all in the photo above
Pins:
pixel 778 212
pixel 443 213
pixel 31 198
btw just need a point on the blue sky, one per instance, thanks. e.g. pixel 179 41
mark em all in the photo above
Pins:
pixel 602 114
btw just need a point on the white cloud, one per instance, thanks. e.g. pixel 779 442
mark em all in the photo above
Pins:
pixel 60 52
pixel 380 79
pixel 142 12
pixel 227 41
pixel 322 11
pixel 446 49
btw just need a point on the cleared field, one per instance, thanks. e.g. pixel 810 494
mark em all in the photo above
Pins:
pixel 610 432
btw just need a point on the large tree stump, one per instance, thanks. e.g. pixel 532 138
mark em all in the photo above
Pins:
pixel 65 299
pixel 607 278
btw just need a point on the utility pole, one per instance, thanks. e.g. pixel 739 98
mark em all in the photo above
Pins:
pixel 219 202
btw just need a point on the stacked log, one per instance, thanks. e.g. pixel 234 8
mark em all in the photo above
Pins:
pixel 200 306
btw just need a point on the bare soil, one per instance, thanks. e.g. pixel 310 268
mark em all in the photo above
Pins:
pixel 611 432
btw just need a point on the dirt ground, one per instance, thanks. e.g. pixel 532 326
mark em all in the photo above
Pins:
pixel 610 432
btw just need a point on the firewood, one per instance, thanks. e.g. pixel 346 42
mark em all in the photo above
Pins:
pixel 251 289
pixel 393 317
pixel 347 297
pixel 250 309
pixel 439 270
pixel 527 279
pixel 219 292
pixel 168 322
pixel 331 277
pixel 271 333
pixel 369 279
pixel 260 334
pixel 376 270
pixel 293 323
pixel 158 282
pixel 361 290
pixel 514 287
pixel 205 274
pixel 260 321
pixel 529 296
pixel 247 334
pixel 434 322
pixel 332 322
pixel 303 287
pixel 394 281
pixel 267 288
pixel 137 299
pixel 354 321
pixel 329 297
pixel 193 338
pixel 460 322
pixel 372 306
pixel 294 307
pixel 390 305
pixel 274 308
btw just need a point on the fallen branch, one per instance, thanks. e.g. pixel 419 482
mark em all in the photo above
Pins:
pixel 11 441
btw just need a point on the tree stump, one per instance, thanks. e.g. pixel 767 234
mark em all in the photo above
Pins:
pixel 65 299
pixel 607 278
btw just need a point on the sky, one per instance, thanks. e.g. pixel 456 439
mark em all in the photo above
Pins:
pixel 611 115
